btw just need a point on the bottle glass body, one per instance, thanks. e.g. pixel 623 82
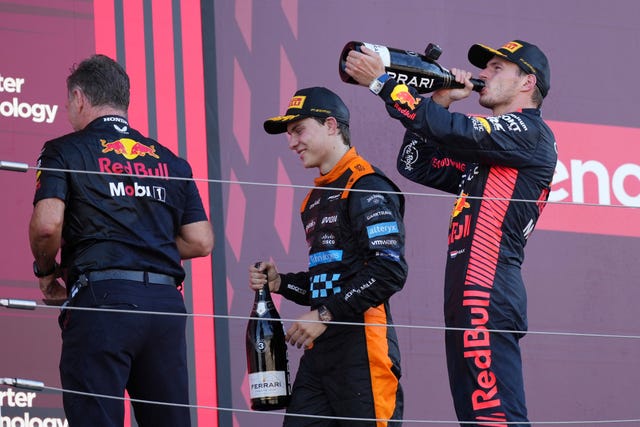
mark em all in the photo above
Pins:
pixel 407 67
pixel 267 359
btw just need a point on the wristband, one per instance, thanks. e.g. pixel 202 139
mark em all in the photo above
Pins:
pixel 324 314
pixel 40 274
pixel 377 85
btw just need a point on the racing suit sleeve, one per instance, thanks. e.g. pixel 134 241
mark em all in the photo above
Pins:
pixel 295 287
pixel 377 225
pixel 507 140
pixel 422 161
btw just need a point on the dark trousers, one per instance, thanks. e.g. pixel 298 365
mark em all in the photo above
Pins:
pixel 350 375
pixel 107 352
pixel 485 368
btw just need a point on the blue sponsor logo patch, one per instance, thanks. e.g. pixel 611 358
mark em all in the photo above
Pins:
pixel 322 285
pixel 391 254
pixel 382 229
pixel 324 257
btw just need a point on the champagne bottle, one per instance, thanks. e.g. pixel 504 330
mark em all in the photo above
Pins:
pixel 267 358
pixel 410 68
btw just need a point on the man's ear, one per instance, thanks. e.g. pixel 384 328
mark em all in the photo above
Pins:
pixel 530 82
pixel 332 123
pixel 77 95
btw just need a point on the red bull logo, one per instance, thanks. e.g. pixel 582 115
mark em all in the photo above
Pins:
pixel 461 204
pixel 459 228
pixel 402 95
pixel 128 148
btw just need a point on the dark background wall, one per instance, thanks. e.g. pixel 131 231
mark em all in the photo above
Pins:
pixel 579 278
pixel 581 356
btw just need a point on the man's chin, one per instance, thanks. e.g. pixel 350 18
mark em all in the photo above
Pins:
pixel 486 102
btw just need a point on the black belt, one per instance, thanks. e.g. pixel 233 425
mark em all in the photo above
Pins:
pixel 136 276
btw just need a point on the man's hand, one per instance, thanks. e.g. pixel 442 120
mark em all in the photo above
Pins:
pixel 364 67
pixel 303 332
pixel 265 272
pixel 53 291
pixel 446 97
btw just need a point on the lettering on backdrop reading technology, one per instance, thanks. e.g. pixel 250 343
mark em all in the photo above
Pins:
pixel 12 106
pixel 16 410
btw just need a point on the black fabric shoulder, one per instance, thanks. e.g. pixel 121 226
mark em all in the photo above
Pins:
pixel 375 182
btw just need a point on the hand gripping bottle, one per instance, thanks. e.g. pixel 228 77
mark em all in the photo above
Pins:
pixel 267 358
pixel 410 68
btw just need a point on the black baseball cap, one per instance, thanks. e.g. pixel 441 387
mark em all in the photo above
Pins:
pixel 309 102
pixel 526 55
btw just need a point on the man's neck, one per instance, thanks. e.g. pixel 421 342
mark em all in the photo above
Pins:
pixel 517 104
pixel 334 159
pixel 100 111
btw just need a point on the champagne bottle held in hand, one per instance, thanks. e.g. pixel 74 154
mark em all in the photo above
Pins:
pixel 409 68
pixel 267 358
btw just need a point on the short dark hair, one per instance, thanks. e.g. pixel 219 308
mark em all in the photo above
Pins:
pixel 344 130
pixel 536 96
pixel 102 80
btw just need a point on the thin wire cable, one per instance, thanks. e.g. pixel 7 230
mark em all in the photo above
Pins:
pixel 12 166
pixel 24 167
pixel 33 305
pixel 31 385
pixel 310 187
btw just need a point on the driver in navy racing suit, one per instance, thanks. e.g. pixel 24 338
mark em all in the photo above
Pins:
pixel 501 167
